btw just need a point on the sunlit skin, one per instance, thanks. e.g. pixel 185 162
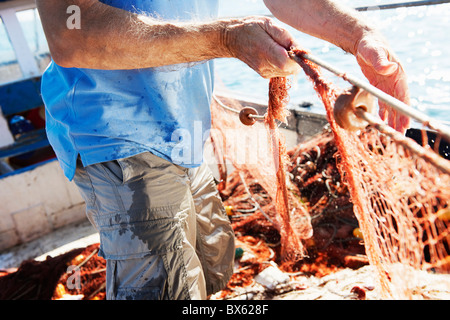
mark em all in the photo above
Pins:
pixel 111 38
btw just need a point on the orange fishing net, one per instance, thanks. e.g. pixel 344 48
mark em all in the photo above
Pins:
pixel 400 200
pixel 260 150
pixel 278 99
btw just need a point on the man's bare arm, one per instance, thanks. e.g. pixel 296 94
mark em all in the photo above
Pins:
pixel 324 19
pixel 111 38
pixel 344 27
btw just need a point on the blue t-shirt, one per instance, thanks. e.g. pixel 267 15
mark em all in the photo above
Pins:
pixel 104 115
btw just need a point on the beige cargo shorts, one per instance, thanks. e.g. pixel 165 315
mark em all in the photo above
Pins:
pixel 163 230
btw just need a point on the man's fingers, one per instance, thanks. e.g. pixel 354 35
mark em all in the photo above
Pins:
pixel 405 123
pixel 278 56
pixel 378 59
pixel 383 111
pixel 281 61
pixel 263 46
pixel 278 34
pixel 374 53
pixel 392 118
pixel 384 71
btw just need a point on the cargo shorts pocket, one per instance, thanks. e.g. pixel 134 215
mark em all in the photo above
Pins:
pixel 137 290
pixel 144 260
pixel 139 294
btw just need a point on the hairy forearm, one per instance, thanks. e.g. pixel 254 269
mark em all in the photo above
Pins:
pixel 111 38
pixel 323 19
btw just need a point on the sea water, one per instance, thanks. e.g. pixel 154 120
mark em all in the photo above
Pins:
pixel 419 36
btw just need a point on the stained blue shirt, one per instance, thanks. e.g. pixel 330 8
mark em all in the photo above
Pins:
pixel 104 115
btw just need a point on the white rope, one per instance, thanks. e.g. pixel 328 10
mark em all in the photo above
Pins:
pixel 401 5
pixel 255 116
pixel 224 105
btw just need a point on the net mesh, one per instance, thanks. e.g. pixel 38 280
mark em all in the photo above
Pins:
pixel 260 150
pixel 400 200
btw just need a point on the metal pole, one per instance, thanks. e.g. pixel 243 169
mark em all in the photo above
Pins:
pixel 428 155
pixel 379 7
pixel 402 4
pixel 394 103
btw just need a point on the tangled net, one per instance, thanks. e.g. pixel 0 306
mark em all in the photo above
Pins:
pixel 78 274
pixel 400 200
pixel 260 150
pixel 278 99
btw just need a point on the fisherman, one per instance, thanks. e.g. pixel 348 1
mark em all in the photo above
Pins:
pixel 127 93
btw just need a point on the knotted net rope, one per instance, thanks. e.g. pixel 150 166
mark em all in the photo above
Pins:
pixel 401 200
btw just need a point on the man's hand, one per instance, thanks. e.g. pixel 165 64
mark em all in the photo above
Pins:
pixel 262 45
pixel 334 22
pixel 385 72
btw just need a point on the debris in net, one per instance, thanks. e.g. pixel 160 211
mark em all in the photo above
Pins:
pixel 318 186
pixel 35 280
pixel 91 276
